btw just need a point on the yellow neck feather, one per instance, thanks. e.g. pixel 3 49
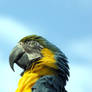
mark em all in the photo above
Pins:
pixel 43 68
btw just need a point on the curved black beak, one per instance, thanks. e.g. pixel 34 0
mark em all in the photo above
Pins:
pixel 15 56
pixel 20 57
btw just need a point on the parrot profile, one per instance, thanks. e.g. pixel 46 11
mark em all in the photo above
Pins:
pixel 45 67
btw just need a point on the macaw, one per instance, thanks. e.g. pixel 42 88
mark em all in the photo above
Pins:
pixel 45 67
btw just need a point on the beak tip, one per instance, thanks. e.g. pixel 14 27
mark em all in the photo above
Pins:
pixel 13 69
pixel 12 66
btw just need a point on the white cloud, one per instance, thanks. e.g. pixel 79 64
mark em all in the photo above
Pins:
pixel 8 78
pixel 82 49
pixel 12 30
pixel 80 79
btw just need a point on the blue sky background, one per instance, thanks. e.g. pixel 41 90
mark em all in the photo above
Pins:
pixel 66 23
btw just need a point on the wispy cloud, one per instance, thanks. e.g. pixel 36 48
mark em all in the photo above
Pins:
pixel 80 64
pixel 8 78
pixel 79 50
pixel 82 47
pixel 12 30
pixel 80 79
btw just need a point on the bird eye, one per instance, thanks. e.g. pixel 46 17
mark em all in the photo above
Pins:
pixel 38 37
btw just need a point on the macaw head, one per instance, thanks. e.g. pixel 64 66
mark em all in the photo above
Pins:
pixel 32 49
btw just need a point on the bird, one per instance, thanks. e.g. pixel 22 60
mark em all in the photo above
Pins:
pixel 45 66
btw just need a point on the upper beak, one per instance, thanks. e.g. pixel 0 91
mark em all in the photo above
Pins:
pixel 18 56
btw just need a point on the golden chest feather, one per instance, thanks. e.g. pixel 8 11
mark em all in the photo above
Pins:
pixel 45 67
